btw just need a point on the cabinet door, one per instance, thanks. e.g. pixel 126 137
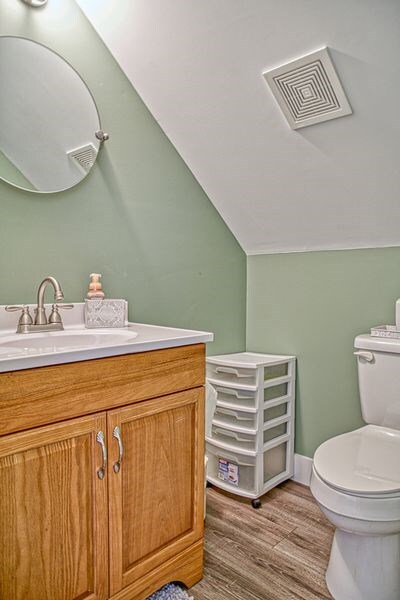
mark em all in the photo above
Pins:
pixel 53 516
pixel 156 497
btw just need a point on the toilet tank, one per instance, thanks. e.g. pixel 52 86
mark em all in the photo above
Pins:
pixel 378 361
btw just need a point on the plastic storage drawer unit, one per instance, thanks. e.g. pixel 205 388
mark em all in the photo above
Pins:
pixel 250 440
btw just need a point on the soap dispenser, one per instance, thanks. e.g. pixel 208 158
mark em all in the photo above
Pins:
pixel 95 286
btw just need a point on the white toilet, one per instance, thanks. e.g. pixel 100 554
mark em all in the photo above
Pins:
pixel 356 482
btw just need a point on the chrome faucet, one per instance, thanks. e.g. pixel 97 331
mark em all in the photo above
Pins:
pixel 40 314
pixel 54 323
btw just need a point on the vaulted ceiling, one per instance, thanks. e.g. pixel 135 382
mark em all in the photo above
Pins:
pixel 198 67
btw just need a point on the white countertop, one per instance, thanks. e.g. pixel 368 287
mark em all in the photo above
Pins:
pixel 149 337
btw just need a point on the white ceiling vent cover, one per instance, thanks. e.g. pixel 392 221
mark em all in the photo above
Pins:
pixel 308 90
pixel 83 157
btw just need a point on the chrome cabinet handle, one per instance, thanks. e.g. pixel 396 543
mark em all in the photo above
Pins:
pixel 117 435
pixel 102 470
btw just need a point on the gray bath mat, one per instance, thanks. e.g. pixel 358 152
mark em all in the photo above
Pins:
pixel 171 592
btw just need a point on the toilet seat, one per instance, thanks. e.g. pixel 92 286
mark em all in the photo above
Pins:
pixel 357 474
pixel 382 508
pixel 364 463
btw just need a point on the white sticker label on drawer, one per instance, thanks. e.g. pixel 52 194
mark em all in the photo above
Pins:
pixel 228 471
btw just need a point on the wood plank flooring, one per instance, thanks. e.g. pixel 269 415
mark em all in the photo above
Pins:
pixel 278 552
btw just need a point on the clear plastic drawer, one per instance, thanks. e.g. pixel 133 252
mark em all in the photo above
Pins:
pixel 244 441
pixel 237 398
pixel 234 470
pixel 235 419
pixel 231 469
pixel 233 375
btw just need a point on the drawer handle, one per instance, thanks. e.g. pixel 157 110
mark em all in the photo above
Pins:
pixel 226 411
pixel 102 470
pixel 234 393
pixel 230 434
pixel 224 432
pixel 232 413
pixel 117 435
pixel 231 371
pixel 226 370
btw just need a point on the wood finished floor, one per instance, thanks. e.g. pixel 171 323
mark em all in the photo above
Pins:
pixel 278 552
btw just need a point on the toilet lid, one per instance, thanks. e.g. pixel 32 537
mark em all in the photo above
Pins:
pixel 365 461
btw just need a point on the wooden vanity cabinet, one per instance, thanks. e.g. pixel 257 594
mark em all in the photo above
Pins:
pixel 70 531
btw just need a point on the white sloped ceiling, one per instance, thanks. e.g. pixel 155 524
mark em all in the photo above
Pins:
pixel 198 66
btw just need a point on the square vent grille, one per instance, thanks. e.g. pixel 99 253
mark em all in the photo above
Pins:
pixel 308 90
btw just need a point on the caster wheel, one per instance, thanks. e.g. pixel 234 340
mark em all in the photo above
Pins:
pixel 256 503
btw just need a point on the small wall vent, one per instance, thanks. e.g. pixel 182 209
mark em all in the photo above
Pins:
pixel 83 157
pixel 308 90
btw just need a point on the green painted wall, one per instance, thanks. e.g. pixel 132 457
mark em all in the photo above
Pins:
pixel 140 218
pixel 313 305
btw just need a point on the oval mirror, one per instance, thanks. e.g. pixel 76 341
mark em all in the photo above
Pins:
pixel 48 119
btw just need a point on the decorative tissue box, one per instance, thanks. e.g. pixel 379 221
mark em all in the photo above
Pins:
pixel 106 313
pixel 385 331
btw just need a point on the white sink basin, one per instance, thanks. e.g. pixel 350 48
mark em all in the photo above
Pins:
pixel 63 341
pixel 76 343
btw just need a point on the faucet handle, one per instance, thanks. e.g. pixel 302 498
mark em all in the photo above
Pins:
pixel 25 318
pixel 55 315
pixel 54 306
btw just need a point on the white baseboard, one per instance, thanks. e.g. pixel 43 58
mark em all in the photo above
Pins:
pixel 302 469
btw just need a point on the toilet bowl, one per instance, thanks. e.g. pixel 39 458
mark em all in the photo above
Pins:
pixel 356 482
